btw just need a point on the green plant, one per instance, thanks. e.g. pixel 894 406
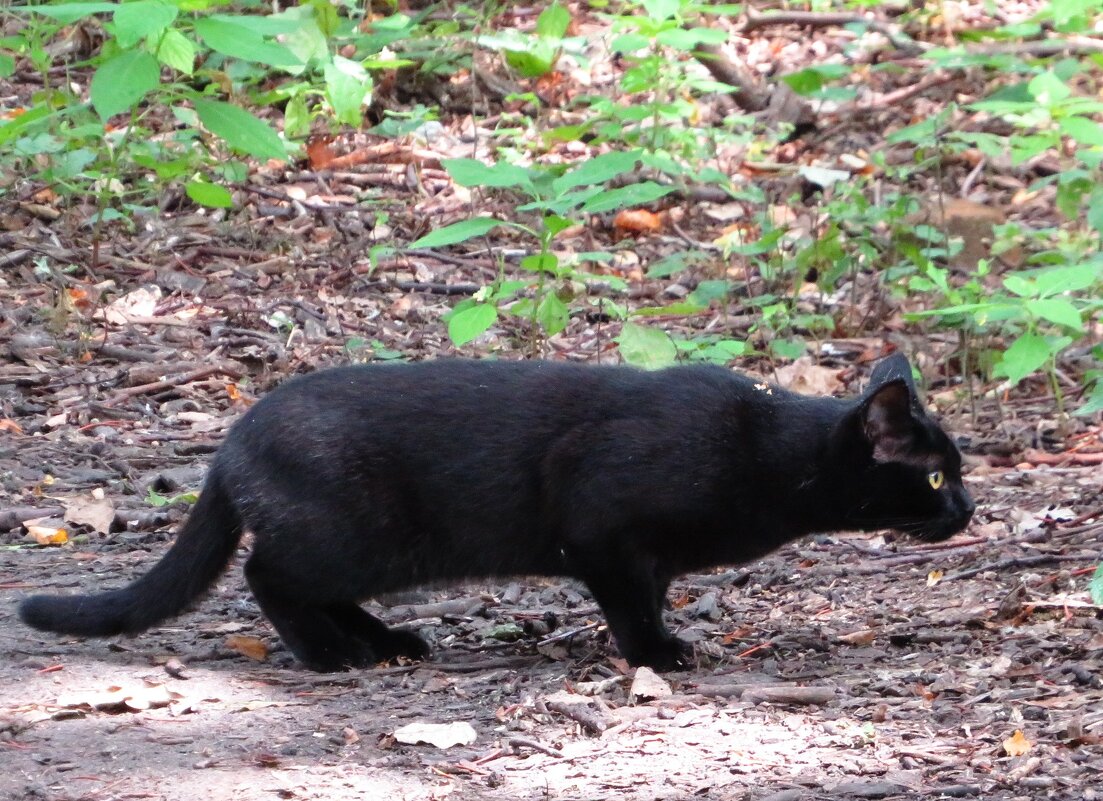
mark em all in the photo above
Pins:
pixel 157 500
pixel 184 56
pixel 555 195
pixel 657 110
pixel 534 55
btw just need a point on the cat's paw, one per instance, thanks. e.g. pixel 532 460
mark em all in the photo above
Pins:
pixel 400 642
pixel 339 657
pixel 669 654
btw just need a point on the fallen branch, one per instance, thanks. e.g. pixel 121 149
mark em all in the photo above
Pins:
pixel 592 720
pixel 14 516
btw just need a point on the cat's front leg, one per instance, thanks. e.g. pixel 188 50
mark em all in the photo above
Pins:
pixel 631 598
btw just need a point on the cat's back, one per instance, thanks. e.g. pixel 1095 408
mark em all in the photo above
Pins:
pixel 479 395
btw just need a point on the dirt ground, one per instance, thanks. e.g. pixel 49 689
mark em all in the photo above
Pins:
pixel 840 667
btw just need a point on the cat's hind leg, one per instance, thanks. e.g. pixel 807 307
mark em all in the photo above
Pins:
pixel 308 629
pixel 385 642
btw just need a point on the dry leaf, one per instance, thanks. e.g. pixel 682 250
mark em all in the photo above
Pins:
pixel 1016 744
pixel 124 699
pixel 10 426
pixel 319 152
pixel 647 686
pixel 808 378
pixel 934 577
pixel 98 514
pixel 862 637
pixel 442 735
pixel 251 647
pixel 141 302
pixel 48 535
pixel 637 221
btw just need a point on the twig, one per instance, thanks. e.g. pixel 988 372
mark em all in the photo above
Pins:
pixel 432 287
pixel 1021 561
pixel 790 695
pixel 590 719
pixel 525 742
pixel 170 382
pixel 824 19
pixel 1072 45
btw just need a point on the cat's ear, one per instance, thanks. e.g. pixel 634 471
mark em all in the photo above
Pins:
pixel 891 368
pixel 887 419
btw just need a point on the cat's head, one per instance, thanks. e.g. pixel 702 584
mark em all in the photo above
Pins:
pixel 906 471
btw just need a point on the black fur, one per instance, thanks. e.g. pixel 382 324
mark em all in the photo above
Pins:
pixel 364 480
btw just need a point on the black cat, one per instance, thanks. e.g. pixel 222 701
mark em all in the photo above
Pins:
pixel 364 480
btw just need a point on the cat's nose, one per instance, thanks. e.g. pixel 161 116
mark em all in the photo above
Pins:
pixel 968 506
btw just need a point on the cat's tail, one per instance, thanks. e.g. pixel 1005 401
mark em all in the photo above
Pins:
pixel 201 551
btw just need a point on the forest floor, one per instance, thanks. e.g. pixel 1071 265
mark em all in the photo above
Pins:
pixel 841 667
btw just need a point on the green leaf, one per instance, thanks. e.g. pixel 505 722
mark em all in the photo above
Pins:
pixel 348 88
pixel 1058 280
pixel 240 129
pixel 597 170
pixel 660 10
pixel 1095 587
pixel 1083 130
pixel 457 232
pixel 7 65
pixel 239 41
pixel 556 225
pixel 68 12
pixel 1095 209
pixel 136 21
pixel 207 194
pixel 296 118
pixel 1056 310
pixel 466 324
pixel 767 243
pixel 650 348
pixel 472 172
pixel 686 40
pixel 626 196
pixel 788 348
pixel 1027 354
pixel 122 81
pixel 1048 89
pixel 552 313
pixel 553 21
pixel 177 51
pixel 537 262
pixel 1094 403
pixel 536 60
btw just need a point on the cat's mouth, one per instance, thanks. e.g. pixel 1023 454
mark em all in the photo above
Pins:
pixel 938 532
pixel 927 530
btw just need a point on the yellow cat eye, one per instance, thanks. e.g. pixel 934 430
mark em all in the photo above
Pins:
pixel 936 479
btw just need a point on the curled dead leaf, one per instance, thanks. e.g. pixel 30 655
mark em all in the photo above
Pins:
pixel 319 152
pixel 862 637
pixel 48 535
pixel 934 577
pixel 251 647
pixel 10 426
pixel 637 221
pixel 808 378
pixel 1016 744
pixel 442 735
